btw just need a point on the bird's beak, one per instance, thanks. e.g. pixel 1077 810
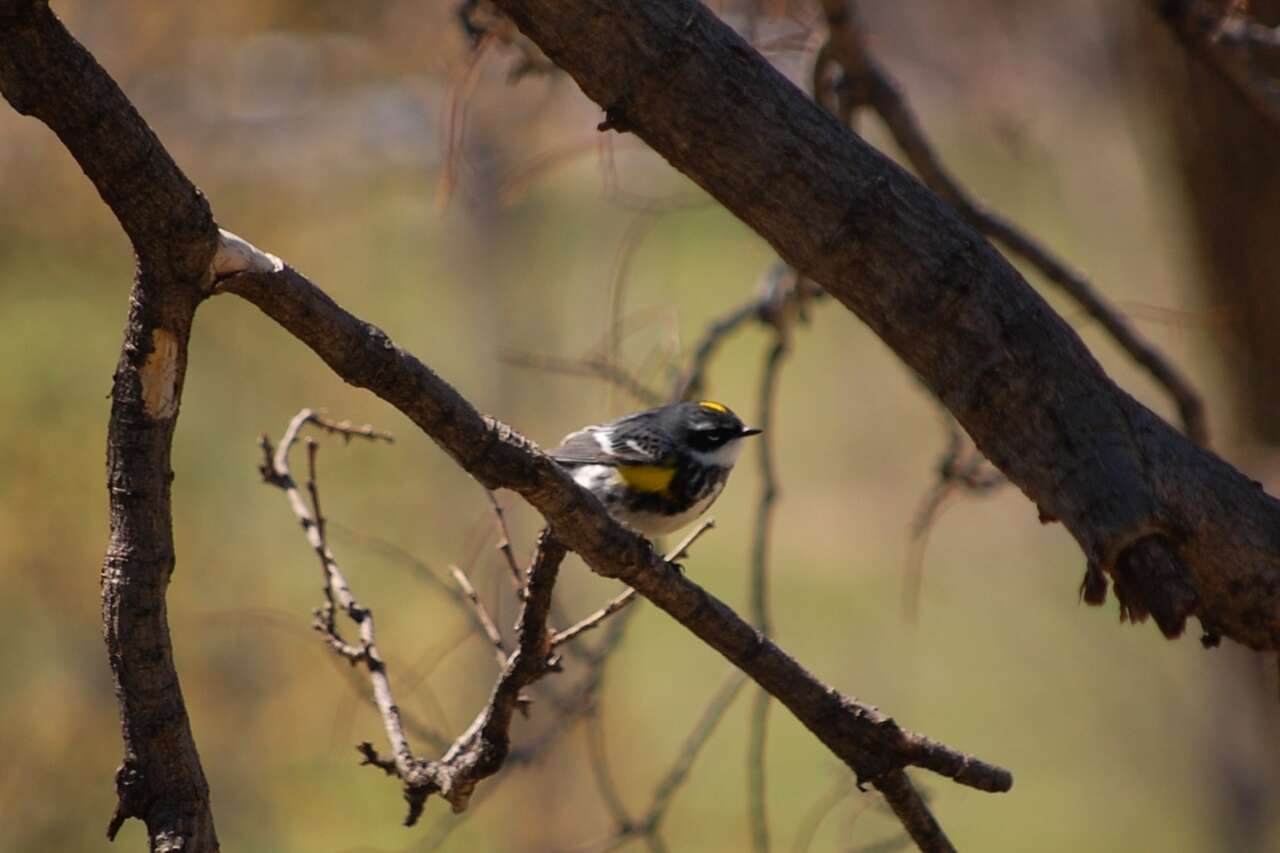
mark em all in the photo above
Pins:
pixel 746 431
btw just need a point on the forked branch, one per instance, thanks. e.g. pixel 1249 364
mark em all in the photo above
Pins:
pixel 481 750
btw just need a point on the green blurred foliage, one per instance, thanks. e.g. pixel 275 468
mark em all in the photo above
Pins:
pixel 316 131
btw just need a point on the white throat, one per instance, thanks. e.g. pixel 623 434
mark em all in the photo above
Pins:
pixel 722 457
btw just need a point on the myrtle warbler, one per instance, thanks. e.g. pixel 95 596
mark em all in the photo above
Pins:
pixel 657 470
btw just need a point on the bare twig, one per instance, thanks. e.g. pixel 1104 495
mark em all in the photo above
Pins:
pixel 818 812
pixel 480 751
pixel 756 739
pixel 961 469
pixel 648 826
pixel 623 599
pixel 504 540
pixel 693 744
pixel 454 126
pixel 482 615
pixel 1227 44
pixel 782 291
pixel 598 757
pixel 598 366
pixel 867 84
pixel 640 227
pixel 871 743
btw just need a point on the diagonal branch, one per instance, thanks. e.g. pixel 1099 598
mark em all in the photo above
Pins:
pixel 868 741
pixel 1015 375
pixel 867 84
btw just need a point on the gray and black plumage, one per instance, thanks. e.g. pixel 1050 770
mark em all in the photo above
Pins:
pixel 660 469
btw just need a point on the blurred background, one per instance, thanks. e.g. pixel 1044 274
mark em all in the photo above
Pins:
pixel 474 218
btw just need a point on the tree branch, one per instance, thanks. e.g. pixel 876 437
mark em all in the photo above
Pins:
pixel 1015 375
pixel 46 73
pixel 867 84
pixel 1225 43
pixel 481 750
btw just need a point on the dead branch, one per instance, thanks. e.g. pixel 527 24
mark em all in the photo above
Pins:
pixel 783 293
pixel 47 74
pixel 866 84
pixel 504 542
pixel 482 615
pixel 481 750
pixel 623 599
pixel 598 366
pixel 756 739
pixel 1226 43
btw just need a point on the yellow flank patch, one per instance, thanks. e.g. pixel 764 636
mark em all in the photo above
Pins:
pixel 713 406
pixel 646 478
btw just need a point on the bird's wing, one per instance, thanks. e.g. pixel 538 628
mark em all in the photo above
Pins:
pixel 599 445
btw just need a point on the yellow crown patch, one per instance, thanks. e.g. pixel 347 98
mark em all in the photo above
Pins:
pixel 713 406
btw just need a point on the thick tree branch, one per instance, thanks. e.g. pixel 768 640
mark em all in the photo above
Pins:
pixel 866 83
pixel 1016 376
pixel 47 74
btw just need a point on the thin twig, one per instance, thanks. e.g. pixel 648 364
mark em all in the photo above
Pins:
pixel 337 592
pixel 597 366
pixel 455 125
pixel 818 812
pixel 625 598
pixel 607 788
pixel 504 540
pixel 756 738
pixel 1226 43
pixel 482 615
pixel 962 468
pixel 481 750
pixel 782 291
pixel 867 84
pixel 648 827
pixel 679 772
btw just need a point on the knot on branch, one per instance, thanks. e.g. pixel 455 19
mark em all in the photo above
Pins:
pixel 130 796
pixel 1150 580
pixel 615 118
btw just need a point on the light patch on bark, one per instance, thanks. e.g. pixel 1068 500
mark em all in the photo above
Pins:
pixel 236 255
pixel 159 375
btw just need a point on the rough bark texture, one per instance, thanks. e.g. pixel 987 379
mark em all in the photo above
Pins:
pixel 1015 375
pixel 45 73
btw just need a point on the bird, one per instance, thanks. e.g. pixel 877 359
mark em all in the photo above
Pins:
pixel 657 470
